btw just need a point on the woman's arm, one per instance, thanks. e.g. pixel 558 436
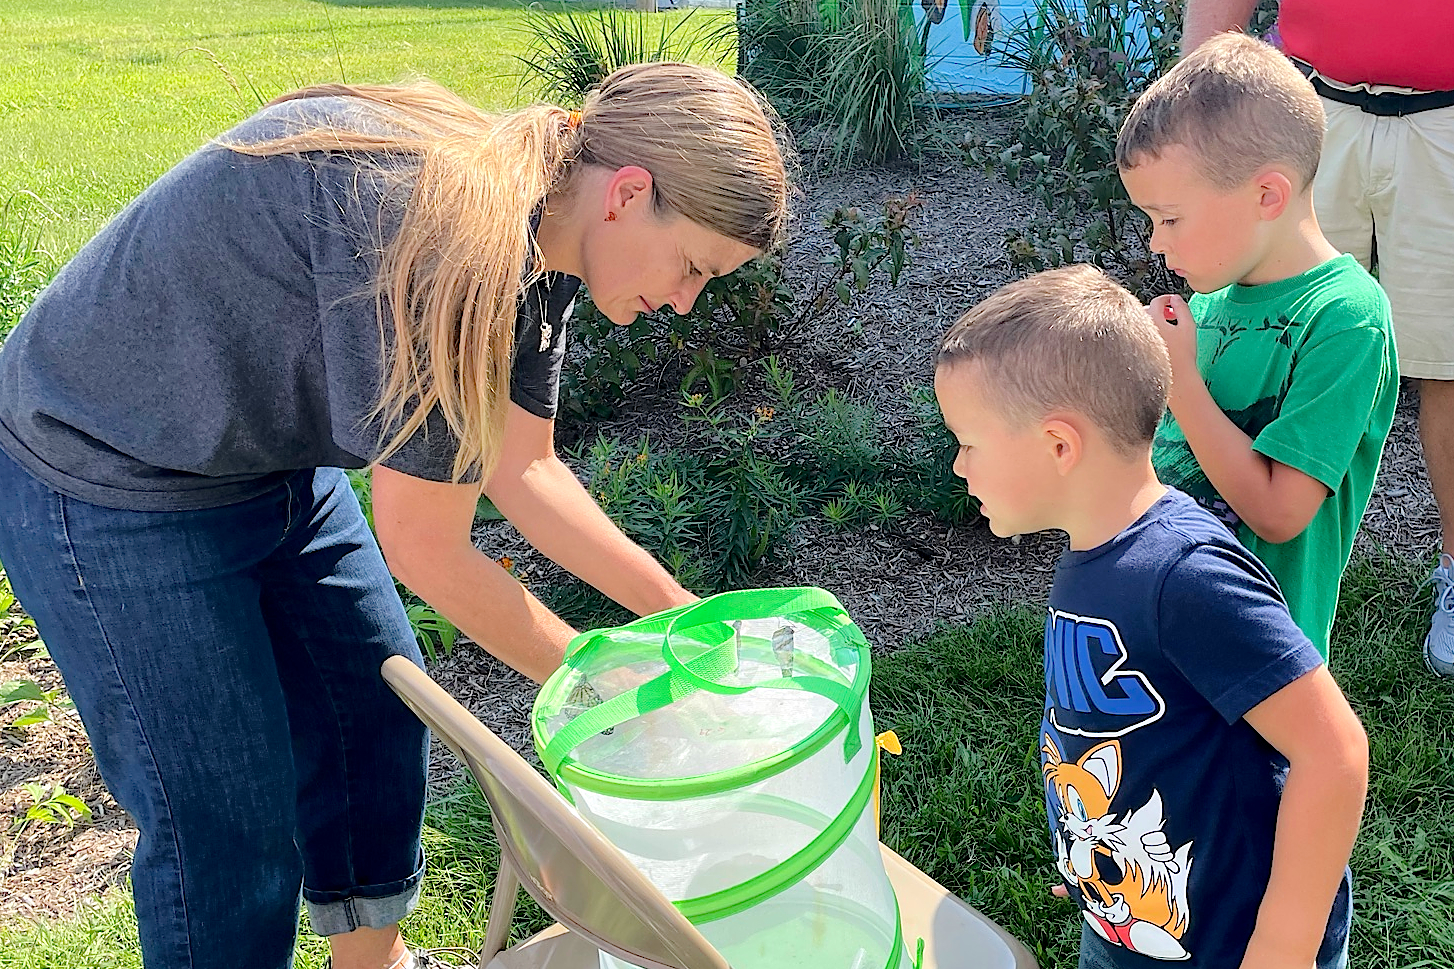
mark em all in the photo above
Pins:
pixel 1204 18
pixel 424 531
pixel 547 503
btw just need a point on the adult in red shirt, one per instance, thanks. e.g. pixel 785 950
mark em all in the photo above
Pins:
pixel 1385 193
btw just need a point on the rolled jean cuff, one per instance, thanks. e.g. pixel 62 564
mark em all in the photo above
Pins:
pixel 366 907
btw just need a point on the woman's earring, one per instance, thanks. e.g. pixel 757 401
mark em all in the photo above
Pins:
pixel 610 216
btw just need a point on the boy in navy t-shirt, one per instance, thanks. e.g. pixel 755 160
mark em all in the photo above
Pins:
pixel 1204 775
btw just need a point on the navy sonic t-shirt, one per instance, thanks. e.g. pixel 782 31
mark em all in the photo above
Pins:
pixel 1162 800
pixel 222 332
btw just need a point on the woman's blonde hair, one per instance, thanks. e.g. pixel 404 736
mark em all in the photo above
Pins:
pixel 452 275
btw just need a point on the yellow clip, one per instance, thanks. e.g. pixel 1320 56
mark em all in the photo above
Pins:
pixel 887 741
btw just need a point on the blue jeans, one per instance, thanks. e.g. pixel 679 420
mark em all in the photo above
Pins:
pixel 225 663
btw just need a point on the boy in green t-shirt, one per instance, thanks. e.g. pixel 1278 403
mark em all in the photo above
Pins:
pixel 1284 377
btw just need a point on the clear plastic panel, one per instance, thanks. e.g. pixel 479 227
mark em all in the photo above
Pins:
pixel 697 846
pixel 842 916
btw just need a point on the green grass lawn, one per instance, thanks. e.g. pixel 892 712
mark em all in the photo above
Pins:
pixel 102 96
pixel 964 800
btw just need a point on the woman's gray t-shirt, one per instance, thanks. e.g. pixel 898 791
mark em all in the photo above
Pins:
pixel 222 332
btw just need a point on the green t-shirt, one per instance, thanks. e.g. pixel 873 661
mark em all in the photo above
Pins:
pixel 1306 368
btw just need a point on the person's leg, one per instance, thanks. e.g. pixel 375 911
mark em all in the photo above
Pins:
pixel 1437 438
pixel 1341 189
pixel 361 754
pixel 1413 198
pixel 153 620
pixel 1436 435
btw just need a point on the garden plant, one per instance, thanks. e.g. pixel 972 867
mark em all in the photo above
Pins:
pixel 1086 63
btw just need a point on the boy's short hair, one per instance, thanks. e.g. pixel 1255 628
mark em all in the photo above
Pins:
pixel 1235 103
pixel 1069 338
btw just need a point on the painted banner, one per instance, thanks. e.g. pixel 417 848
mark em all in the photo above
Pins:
pixel 966 40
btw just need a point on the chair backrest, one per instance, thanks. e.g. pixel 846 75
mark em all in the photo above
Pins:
pixel 567 866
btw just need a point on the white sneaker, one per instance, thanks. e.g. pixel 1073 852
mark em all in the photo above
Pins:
pixel 1439 643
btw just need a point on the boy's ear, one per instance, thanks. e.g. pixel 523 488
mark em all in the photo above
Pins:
pixel 1065 442
pixel 1275 193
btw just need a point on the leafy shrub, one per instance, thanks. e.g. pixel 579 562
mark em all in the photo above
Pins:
pixel 435 634
pixel 862 504
pixel 47 702
pixel 1086 67
pixel 735 320
pixel 1264 18
pixel 757 499
pixel 852 477
pixel 738 317
pixel 841 436
pixel 930 483
pixel 654 496
pixel 570 52
pixel 864 245
pixel 17 630
pixel 713 515
pixel 610 357
pixel 52 805
pixel 781 50
pixel 731 498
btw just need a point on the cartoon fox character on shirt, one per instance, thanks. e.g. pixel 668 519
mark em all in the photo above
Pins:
pixel 1132 884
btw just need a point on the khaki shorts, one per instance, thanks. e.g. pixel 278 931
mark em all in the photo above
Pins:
pixel 1391 180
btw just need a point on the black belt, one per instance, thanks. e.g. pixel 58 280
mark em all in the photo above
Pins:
pixel 1387 104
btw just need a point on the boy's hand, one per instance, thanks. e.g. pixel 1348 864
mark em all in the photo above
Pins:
pixel 1260 955
pixel 1177 327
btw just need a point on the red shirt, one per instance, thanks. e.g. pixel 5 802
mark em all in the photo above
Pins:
pixel 1406 43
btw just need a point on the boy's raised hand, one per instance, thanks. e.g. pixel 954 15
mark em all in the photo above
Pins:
pixel 1177 327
